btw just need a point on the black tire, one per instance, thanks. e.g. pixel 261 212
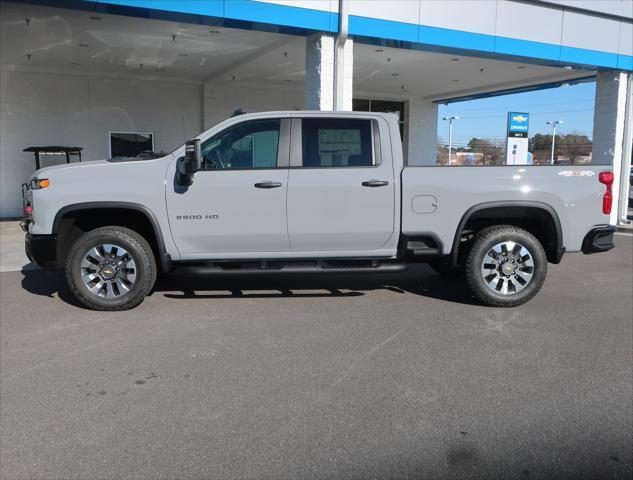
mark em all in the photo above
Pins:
pixel 139 251
pixel 447 269
pixel 483 242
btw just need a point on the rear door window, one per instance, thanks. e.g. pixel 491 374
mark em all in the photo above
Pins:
pixel 337 142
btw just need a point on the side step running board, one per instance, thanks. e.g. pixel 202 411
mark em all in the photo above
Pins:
pixel 422 247
pixel 215 269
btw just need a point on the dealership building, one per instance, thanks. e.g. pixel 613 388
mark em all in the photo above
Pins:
pixel 116 77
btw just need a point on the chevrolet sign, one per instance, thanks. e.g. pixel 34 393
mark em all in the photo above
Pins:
pixel 518 123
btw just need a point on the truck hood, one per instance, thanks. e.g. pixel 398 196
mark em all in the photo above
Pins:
pixel 64 166
pixel 113 162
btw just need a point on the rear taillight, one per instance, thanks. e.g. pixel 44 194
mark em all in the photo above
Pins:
pixel 607 202
pixel 606 178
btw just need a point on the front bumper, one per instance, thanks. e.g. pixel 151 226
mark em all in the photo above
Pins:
pixel 41 249
pixel 599 239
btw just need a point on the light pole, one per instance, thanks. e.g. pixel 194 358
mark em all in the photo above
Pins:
pixel 450 134
pixel 553 123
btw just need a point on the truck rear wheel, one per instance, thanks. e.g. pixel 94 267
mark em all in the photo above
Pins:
pixel 506 266
pixel 110 268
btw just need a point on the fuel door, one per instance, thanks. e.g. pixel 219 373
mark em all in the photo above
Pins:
pixel 424 204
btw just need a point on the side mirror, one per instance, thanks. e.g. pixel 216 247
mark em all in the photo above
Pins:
pixel 190 163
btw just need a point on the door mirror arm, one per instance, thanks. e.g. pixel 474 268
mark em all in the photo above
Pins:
pixel 189 164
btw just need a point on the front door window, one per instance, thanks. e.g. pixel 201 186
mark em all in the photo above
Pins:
pixel 248 145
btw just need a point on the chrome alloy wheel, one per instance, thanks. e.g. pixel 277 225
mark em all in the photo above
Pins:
pixel 108 271
pixel 507 268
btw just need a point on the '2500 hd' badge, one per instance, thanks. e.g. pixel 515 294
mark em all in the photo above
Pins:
pixel 210 216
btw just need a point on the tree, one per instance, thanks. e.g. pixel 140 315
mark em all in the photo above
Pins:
pixel 540 142
pixel 574 147
pixel 493 153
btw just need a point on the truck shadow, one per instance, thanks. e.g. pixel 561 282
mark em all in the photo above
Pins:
pixel 418 280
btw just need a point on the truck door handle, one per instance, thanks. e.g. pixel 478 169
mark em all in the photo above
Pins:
pixel 375 183
pixel 268 185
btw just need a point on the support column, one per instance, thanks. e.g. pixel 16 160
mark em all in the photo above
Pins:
pixel 422 134
pixel 609 128
pixel 319 83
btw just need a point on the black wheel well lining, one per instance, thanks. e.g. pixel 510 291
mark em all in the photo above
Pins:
pixel 73 220
pixel 540 219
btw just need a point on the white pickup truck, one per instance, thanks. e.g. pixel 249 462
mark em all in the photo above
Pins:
pixel 305 192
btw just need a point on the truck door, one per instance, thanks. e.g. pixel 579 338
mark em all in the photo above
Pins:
pixel 237 202
pixel 340 193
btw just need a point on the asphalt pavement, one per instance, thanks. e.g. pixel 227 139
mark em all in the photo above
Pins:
pixel 321 377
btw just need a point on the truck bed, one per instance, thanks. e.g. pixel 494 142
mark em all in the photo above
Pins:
pixel 436 199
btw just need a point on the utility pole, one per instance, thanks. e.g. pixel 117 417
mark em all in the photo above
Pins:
pixel 553 123
pixel 450 134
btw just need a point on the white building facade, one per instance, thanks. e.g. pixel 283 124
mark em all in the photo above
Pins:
pixel 92 74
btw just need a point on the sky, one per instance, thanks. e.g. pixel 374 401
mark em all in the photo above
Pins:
pixel 487 117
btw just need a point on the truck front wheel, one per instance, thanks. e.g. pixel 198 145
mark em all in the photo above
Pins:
pixel 506 266
pixel 110 268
